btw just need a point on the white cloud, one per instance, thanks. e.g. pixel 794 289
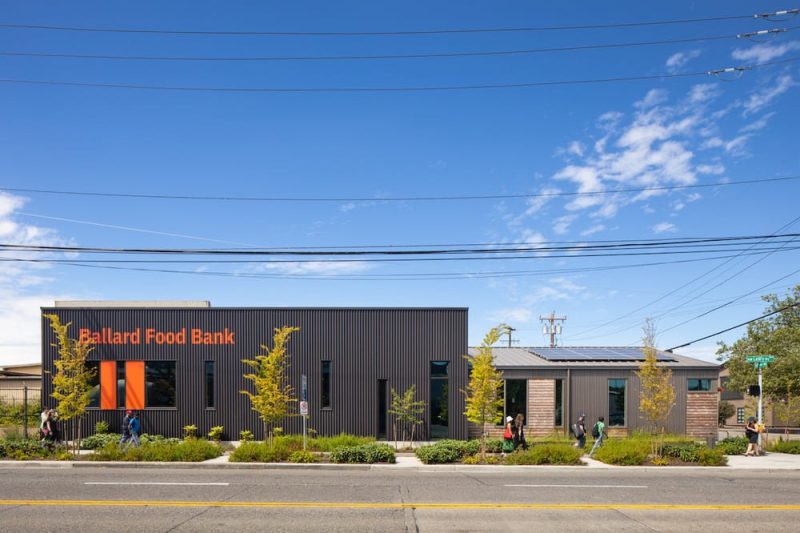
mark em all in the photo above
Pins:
pixel 562 224
pixel 22 285
pixel 653 97
pixel 678 60
pixel 713 142
pixel 703 92
pixel 759 124
pixel 512 316
pixel 714 169
pixel 597 228
pixel 554 289
pixel 764 52
pixel 736 146
pixel 762 98
pixel 664 227
pixel 314 268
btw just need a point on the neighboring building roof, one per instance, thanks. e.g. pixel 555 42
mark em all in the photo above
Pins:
pixel 131 303
pixel 585 357
pixel 30 370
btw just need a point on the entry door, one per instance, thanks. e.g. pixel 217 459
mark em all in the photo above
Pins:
pixel 382 409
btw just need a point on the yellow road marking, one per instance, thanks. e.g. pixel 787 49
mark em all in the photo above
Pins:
pixel 408 505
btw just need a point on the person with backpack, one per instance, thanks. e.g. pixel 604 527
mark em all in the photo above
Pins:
pixel 135 428
pixel 598 433
pixel 579 430
pixel 519 432
pixel 126 428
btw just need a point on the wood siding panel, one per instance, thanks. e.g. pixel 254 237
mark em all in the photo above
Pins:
pixel 702 409
pixel 541 407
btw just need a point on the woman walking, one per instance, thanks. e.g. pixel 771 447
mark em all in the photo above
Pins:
pixel 508 436
pixel 751 432
pixel 519 432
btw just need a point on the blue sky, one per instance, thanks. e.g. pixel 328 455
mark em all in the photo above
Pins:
pixel 673 131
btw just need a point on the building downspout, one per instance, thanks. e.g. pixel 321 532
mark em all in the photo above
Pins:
pixel 567 415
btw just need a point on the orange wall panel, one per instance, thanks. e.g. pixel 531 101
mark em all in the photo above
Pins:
pixel 108 384
pixel 134 384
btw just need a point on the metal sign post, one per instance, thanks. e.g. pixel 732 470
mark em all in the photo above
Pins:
pixel 760 362
pixel 304 408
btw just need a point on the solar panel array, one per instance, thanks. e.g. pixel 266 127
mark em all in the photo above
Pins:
pixel 610 354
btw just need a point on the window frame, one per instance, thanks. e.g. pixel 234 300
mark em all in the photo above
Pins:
pixel 699 382
pixel 214 396
pixel 175 385
pixel 96 365
pixel 325 387
pixel 740 415
pixel 525 400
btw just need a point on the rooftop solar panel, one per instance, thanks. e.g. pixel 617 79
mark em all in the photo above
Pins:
pixel 596 353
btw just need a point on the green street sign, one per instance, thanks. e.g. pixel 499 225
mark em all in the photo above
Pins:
pixel 760 361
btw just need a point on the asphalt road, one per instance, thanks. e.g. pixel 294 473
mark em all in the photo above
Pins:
pixel 537 499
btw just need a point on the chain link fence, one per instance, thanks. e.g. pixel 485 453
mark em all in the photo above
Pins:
pixel 20 410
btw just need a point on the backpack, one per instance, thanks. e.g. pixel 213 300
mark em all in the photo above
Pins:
pixel 595 431
pixel 577 430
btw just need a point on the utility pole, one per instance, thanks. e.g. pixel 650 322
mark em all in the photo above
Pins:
pixel 553 328
pixel 507 330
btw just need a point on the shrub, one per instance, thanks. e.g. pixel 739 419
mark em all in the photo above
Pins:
pixel 27 449
pixel 246 435
pixel 546 454
pixel 302 456
pixel 447 451
pixel 260 452
pixel 733 445
pixel 101 427
pixel 786 446
pixel 711 457
pixel 216 433
pixel 623 452
pixel 688 452
pixel 99 440
pixel 191 450
pixel 365 453
pixel 326 444
pixel 190 431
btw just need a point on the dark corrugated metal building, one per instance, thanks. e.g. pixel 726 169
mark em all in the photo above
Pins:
pixel 179 364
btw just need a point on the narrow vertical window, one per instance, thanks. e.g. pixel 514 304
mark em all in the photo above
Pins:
pixel 210 385
pixel 440 400
pixel 740 415
pixel 120 384
pixel 160 383
pixel 616 402
pixel 325 397
pixel 559 404
pixel 516 397
pixel 94 383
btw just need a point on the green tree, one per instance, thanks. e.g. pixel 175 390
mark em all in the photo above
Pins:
pixel 71 382
pixel 407 411
pixel 270 377
pixel 726 410
pixel 777 335
pixel 483 398
pixel 657 395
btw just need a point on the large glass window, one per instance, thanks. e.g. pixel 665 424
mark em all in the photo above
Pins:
pixel 559 414
pixel 160 383
pixel 325 397
pixel 702 385
pixel 210 385
pixel 516 397
pixel 94 383
pixel 616 402
pixel 440 394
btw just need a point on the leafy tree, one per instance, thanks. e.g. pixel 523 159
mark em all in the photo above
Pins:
pixel 407 410
pixel 273 393
pixel 657 395
pixel 71 382
pixel 726 410
pixel 777 335
pixel 483 397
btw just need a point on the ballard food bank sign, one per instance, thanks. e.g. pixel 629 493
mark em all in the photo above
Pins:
pixel 154 336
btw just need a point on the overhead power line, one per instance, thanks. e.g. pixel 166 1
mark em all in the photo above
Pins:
pixel 734 327
pixel 394 199
pixel 427 55
pixel 407 89
pixel 446 31
pixel 685 245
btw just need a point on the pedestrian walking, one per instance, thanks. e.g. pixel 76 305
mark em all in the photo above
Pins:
pixel 126 428
pixel 599 434
pixel 508 436
pixel 751 432
pixel 135 427
pixel 519 432
pixel 579 430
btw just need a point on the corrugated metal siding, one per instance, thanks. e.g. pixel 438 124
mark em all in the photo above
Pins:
pixel 363 345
